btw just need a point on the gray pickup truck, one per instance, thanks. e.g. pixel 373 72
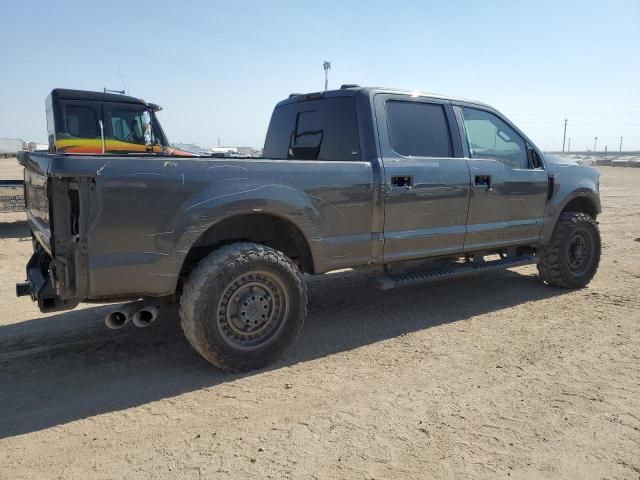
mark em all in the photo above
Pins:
pixel 427 187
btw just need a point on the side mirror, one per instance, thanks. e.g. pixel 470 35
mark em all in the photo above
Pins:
pixel 148 131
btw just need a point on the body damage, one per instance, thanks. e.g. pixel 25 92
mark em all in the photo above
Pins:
pixel 149 212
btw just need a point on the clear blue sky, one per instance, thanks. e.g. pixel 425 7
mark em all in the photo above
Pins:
pixel 219 67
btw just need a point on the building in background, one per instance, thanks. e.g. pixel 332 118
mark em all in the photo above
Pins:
pixel 249 151
pixel 9 147
pixel 192 148
pixel 238 151
pixel 220 151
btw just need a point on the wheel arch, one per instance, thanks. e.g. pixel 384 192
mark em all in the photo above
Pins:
pixel 583 200
pixel 582 204
pixel 267 229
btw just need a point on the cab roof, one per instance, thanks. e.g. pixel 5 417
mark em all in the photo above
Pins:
pixel 68 94
pixel 351 90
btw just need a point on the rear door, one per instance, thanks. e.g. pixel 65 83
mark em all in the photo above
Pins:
pixel 425 175
pixel 508 182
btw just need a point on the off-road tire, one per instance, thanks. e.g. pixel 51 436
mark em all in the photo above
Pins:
pixel 556 259
pixel 205 303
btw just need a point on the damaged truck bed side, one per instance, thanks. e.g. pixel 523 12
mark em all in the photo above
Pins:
pixel 351 177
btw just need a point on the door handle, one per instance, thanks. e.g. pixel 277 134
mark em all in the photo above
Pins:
pixel 483 181
pixel 405 182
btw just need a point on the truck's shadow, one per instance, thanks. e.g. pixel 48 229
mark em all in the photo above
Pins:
pixel 69 366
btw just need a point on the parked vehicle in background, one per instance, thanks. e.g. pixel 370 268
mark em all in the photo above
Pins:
pixel 92 122
pixel 81 122
pixel 428 187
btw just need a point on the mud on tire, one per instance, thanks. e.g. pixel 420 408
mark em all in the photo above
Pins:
pixel 571 258
pixel 243 306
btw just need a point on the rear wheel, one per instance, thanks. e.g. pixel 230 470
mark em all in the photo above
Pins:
pixel 243 306
pixel 571 258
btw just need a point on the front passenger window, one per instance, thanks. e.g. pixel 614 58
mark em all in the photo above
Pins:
pixel 491 137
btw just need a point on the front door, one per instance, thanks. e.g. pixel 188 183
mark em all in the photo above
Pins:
pixel 425 175
pixel 508 183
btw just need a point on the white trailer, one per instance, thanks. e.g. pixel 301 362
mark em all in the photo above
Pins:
pixel 11 146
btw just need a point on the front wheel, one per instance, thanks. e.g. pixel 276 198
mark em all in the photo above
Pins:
pixel 243 306
pixel 571 258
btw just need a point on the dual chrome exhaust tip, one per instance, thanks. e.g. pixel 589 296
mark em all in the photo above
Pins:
pixel 142 315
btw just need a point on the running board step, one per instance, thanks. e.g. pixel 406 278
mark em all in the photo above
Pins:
pixel 458 270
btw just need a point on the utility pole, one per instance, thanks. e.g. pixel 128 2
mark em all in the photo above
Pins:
pixel 595 142
pixel 621 144
pixel 327 66
pixel 569 146
pixel 564 137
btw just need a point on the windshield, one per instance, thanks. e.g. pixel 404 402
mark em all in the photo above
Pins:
pixel 128 126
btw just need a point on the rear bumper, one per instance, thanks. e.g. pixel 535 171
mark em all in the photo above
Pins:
pixel 41 284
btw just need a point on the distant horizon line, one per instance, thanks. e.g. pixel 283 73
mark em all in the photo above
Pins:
pixel 599 152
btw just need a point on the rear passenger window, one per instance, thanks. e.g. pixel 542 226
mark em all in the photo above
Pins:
pixel 80 122
pixel 308 135
pixel 418 129
pixel 325 129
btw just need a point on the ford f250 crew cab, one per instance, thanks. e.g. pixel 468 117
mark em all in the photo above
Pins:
pixel 425 186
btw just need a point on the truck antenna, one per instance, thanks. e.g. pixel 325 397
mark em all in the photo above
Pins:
pixel 124 84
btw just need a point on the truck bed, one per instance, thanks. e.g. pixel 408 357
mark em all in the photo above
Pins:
pixel 116 215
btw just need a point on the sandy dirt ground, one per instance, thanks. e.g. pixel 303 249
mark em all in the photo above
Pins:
pixel 492 377
pixel 10 169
